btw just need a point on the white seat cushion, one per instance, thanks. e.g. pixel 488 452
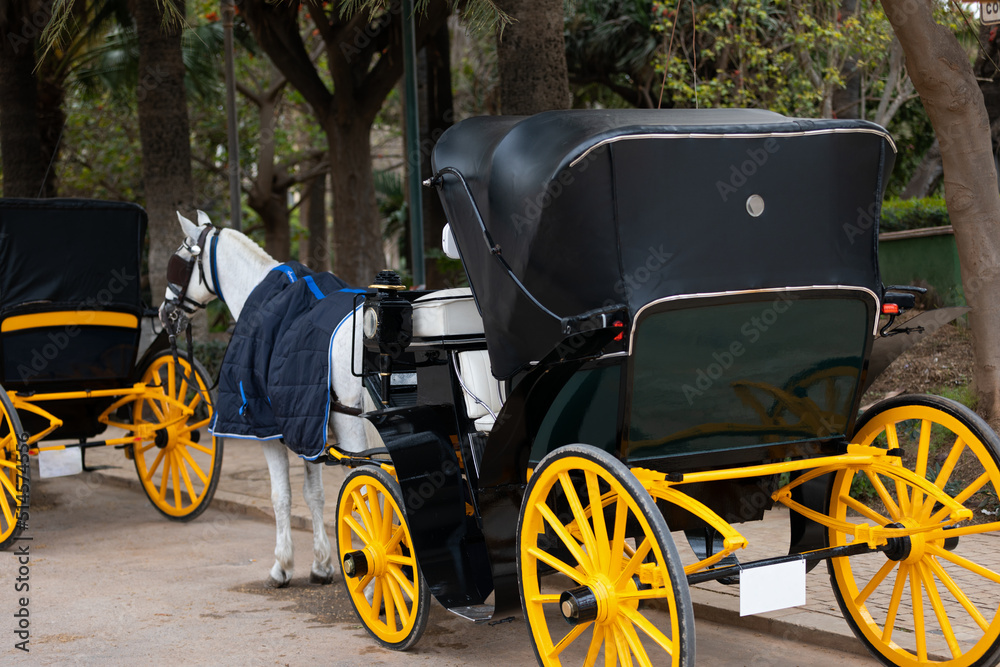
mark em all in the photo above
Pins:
pixel 449 312
pixel 474 367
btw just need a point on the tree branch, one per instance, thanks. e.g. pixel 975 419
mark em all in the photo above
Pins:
pixel 277 30
pixel 386 73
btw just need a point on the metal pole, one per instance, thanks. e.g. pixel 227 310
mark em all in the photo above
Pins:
pixel 413 143
pixel 236 209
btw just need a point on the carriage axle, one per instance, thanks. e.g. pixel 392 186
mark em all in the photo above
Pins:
pixel 819 554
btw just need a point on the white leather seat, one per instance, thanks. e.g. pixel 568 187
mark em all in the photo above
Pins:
pixel 453 312
pixel 449 312
pixel 478 382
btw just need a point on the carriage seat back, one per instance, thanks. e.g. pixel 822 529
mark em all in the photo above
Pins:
pixel 447 313
pixel 46 346
pixel 478 382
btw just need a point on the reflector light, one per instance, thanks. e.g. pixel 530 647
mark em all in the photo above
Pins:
pixel 619 325
pixel 890 308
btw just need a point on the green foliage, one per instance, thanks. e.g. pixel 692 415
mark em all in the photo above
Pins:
pixel 481 16
pixel 781 55
pixel 611 44
pixel 902 214
pixel 210 353
pixel 963 393
pixel 391 197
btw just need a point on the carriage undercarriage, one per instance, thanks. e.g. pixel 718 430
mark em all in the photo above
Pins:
pixel 607 570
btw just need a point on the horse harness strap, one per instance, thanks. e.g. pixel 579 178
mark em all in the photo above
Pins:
pixel 337 406
pixel 215 269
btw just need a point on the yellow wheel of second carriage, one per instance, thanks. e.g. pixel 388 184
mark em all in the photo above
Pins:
pixel 14 472
pixel 381 573
pixel 932 597
pixel 591 548
pixel 179 465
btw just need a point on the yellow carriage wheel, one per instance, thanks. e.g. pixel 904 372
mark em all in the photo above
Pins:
pixel 14 472
pixel 381 573
pixel 591 547
pixel 932 597
pixel 179 464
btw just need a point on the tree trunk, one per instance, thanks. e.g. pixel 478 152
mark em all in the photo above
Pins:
pixel 20 136
pixel 940 70
pixel 357 239
pixel 436 116
pixel 51 120
pixel 315 252
pixel 163 130
pixel 531 58
pixel 272 207
pixel 927 175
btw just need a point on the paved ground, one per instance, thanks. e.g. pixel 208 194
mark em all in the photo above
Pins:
pixel 243 495
pixel 112 583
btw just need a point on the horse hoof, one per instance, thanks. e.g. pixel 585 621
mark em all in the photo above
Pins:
pixel 321 579
pixel 274 583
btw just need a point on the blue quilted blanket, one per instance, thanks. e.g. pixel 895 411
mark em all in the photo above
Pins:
pixel 275 377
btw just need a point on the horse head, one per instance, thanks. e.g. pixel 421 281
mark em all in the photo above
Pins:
pixel 192 278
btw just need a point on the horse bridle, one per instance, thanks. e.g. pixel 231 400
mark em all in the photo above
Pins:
pixel 174 311
pixel 180 270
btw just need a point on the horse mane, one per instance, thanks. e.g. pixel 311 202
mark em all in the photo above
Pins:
pixel 249 245
pixel 252 262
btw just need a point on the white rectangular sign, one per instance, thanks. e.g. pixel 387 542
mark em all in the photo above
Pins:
pixel 989 12
pixel 772 587
pixel 60 462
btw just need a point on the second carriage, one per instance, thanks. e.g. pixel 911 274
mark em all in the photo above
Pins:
pixel 80 352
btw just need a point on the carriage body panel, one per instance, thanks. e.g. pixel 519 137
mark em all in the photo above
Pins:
pixel 591 209
pixel 74 324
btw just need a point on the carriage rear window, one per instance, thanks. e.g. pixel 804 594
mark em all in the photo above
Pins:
pixel 717 377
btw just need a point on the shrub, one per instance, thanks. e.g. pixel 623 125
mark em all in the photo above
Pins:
pixel 903 214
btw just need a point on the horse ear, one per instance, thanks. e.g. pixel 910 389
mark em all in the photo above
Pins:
pixel 203 219
pixel 190 229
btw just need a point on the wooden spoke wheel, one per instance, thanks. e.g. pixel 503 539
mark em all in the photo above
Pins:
pixel 14 472
pixel 591 546
pixel 932 597
pixel 179 465
pixel 381 574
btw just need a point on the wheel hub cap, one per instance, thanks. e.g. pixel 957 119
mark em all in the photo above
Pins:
pixel 578 605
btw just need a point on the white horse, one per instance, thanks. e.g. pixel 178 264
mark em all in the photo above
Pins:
pixel 240 266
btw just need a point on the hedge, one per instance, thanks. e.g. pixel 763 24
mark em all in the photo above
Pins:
pixel 903 214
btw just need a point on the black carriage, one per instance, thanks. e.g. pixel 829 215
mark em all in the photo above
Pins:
pixel 79 352
pixel 671 313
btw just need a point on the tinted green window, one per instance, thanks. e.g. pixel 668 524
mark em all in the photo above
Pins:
pixel 716 377
pixel 585 411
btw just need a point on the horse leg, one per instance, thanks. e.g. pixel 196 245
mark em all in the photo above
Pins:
pixel 281 500
pixel 312 491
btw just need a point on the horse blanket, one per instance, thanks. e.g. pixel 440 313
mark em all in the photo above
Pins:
pixel 275 377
